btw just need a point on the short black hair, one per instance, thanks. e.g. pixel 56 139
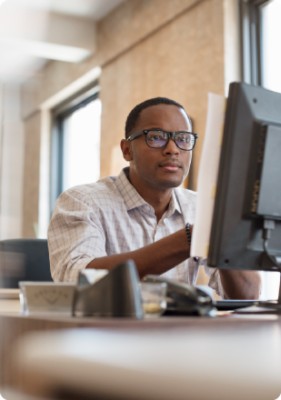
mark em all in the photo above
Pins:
pixel 135 112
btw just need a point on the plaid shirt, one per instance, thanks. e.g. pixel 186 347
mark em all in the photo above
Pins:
pixel 110 217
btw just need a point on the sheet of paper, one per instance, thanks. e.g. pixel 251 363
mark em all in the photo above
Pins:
pixel 207 178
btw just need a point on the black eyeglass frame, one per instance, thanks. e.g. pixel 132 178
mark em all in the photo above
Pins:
pixel 171 135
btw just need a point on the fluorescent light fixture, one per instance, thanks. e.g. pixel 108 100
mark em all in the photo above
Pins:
pixel 54 51
pixel 47 50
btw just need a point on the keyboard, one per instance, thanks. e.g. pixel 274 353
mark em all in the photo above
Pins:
pixel 233 304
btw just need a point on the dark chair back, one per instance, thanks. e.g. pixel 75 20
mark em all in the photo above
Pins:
pixel 23 260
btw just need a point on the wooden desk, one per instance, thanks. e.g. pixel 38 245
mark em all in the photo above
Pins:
pixel 237 357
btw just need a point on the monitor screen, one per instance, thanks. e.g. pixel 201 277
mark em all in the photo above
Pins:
pixel 246 222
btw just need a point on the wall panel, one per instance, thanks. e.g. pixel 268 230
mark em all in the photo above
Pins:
pixel 31 175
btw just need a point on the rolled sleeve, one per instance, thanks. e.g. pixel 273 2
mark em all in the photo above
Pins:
pixel 74 237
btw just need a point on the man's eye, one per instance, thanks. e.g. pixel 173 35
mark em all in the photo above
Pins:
pixel 155 137
pixel 184 138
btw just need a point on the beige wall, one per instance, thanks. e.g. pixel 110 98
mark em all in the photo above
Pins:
pixel 11 161
pixel 31 175
pixel 145 48
pixel 182 59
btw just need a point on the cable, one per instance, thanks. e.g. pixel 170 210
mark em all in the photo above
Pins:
pixel 268 226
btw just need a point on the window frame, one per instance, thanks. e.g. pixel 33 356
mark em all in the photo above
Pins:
pixel 59 114
pixel 250 38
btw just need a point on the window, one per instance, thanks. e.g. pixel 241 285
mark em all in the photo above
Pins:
pixel 260 32
pixel 250 40
pixel 270 14
pixel 261 64
pixel 76 144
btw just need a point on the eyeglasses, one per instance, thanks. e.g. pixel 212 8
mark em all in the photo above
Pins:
pixel 157 138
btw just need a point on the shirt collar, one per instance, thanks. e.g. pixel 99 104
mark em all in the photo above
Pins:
pixel 174 205
pixel 133 199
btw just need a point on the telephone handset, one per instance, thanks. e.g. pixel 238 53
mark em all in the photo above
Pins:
pixel 184 299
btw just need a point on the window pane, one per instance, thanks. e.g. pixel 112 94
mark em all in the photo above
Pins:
pixel 270 42
pixel 81 145
pixel 271 79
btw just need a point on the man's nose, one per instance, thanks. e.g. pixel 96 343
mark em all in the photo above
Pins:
pixel 171 147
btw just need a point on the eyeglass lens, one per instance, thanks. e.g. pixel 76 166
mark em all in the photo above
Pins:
pixel 184 140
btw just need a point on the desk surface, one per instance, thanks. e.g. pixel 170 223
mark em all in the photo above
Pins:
pixel 233 357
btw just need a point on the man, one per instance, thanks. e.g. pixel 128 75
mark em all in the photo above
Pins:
pixel 143 214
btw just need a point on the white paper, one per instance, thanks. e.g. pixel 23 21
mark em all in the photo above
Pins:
pixel 94 275
pixel 207 177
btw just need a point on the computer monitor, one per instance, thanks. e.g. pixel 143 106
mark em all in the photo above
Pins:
pixel 246 222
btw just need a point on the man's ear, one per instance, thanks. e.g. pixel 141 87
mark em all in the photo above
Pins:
pixel 126 149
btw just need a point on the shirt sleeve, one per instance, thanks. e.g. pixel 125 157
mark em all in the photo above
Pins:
pixel 75 236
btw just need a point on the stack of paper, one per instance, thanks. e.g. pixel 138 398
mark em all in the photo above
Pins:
pixel 207 178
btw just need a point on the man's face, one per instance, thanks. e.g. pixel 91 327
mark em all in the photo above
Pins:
pixel 158 168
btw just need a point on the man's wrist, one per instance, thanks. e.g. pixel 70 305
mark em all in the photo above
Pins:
pixel 188 231
pixel 188 234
